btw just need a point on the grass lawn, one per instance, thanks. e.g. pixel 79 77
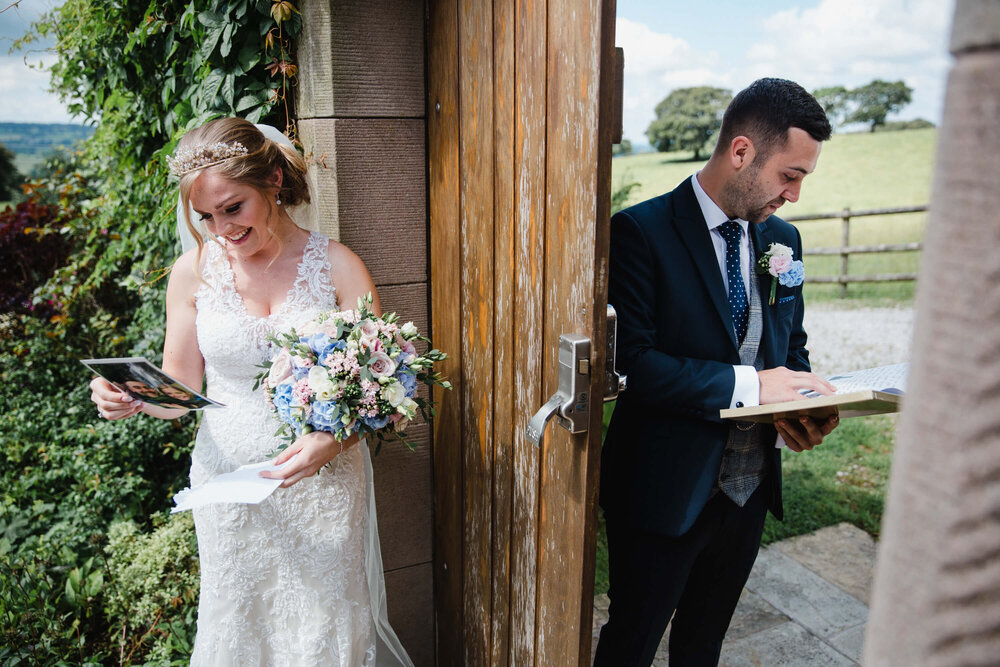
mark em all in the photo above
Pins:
pixel 845 478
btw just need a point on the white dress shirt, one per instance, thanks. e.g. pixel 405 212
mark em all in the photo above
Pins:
pixel 746 391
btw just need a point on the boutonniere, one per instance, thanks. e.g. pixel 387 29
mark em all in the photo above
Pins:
pixel 778 262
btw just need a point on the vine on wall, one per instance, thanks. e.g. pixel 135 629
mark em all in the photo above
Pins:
pixel 142 74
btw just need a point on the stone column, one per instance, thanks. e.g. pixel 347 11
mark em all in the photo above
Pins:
pixel 936 598
pixel 361 117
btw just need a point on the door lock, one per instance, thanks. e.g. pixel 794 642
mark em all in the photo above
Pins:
pixel 571 403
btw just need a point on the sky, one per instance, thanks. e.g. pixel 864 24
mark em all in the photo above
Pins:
pixel 729 43
pixel 23 95
pixel 672 44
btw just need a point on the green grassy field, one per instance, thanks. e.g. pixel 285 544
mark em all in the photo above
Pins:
pixel 860 171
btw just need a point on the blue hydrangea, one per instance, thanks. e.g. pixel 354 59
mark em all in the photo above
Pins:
pixel 322 345
pixel 375 422
pixel 408 380
pixel 283 400
pixel 794 276
pixel 322 417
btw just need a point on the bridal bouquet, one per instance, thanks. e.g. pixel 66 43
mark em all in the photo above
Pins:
pixel 349 372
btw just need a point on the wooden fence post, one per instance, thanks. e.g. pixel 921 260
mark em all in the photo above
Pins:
pixel 845 242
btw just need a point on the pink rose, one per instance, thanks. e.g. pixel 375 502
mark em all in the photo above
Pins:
pixel 381 365
pixel 779 264
pixel 281 369
pixel 329 327
pixel 368 329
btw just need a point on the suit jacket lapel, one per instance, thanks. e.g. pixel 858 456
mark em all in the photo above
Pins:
pixel 762 237
pixel 693 232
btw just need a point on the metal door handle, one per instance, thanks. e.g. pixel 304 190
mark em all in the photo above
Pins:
pixel 571 403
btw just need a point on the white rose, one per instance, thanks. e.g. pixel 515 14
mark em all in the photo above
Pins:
pixel 308 329
pixel 394 392
pixel 407 408
pixel 320 383
pixel 409 330
pixel 779 250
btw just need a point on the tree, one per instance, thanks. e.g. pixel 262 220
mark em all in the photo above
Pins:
pixel 688 118
pixel 10 179
pixel 834 101
pixel 876 100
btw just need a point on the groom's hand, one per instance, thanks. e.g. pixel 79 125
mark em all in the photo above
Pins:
pixel 805 432
pixel 781 384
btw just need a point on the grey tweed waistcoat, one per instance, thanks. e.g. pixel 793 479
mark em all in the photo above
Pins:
pixel 744 461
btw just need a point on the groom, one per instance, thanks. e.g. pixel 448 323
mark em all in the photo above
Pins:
pixel 685 493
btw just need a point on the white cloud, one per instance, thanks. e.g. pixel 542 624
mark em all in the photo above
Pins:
pixel 851 42
pixel 655 64
pixel 835 42
pixel 23 92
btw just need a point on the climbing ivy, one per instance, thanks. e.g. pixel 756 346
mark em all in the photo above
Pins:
pixel 141 74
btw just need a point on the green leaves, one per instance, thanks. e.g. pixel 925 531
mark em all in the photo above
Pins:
pixel 143 73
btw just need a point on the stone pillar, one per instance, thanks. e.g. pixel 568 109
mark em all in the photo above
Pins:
pixel 936 598
pixel 361 116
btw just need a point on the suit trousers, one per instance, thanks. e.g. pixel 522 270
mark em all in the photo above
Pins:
pixel 696 577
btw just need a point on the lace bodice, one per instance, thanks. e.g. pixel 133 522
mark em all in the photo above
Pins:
pixel 283 582
pixel 233 345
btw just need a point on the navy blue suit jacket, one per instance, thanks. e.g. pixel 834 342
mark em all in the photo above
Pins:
pixel 664 445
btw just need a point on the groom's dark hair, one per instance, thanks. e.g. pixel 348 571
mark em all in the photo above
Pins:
pixel 766 109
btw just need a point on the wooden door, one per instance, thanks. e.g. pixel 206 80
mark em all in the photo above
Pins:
pixel 519 155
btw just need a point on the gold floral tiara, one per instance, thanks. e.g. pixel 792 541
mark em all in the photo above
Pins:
pixel 204 155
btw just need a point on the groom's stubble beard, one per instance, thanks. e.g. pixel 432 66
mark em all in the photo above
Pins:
pixel 745 198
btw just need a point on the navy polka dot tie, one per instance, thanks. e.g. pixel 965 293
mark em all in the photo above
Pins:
pixel 737 291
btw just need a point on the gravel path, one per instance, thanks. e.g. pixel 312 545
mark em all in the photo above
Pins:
pixel 844 338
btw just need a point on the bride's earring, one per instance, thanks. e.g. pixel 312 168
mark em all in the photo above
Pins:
pixel 277 200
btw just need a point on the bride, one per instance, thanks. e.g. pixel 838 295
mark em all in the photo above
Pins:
pixel 297 579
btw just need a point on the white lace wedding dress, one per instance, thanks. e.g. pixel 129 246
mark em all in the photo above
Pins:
pixel 291 581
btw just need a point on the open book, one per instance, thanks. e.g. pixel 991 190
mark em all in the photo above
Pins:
pixel 140 379
pixel 868 391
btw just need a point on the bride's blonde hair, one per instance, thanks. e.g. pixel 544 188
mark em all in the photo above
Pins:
pixel 254 166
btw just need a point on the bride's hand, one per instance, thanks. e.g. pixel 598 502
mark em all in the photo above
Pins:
pixel 112 403
pixel 314 451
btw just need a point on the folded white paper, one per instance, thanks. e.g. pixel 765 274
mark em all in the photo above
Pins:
pixel 243 485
